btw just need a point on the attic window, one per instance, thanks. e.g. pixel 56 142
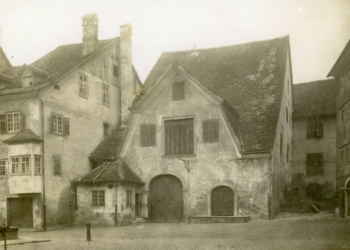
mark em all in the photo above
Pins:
pixel 178 91
pixel 28 81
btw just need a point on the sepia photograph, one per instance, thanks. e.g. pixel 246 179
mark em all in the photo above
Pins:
pixel 174 125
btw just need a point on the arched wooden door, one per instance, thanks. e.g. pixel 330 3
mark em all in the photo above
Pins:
pixel 166 199
pixel 222 201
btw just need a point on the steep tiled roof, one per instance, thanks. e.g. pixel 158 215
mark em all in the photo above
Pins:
pixel 248 76
pixel 23 136
pixel 314 98
pixel 64 58
pixel 111 172
pixel 109 147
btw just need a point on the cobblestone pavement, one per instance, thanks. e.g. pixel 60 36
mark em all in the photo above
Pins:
pixel 321 231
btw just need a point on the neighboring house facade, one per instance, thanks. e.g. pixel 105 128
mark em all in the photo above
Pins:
pixel 210 135
pixel 53 113
pixel 341 72
pixel 314 141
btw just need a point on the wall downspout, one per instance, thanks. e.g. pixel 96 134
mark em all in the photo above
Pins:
pixel 43 168
pixel 270 190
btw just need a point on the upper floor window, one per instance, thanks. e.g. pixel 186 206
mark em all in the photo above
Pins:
pixel 83 86
pixel 37 164
pixel 287 114
pixel 105 94
pixel 14 121
pixel 148 135
pixel 98 198
pixel 3 165
pixel 57 165
pixel 211 131
pixel 28 81
pixel 314 127
pixel 179 137
pixel 2 124
pixel 60 125
pixel 178 91
pixel 115 70
pixel 20 164
pixel 314 164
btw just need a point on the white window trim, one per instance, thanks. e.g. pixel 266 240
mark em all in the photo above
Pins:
pixel 55 128
pixel 20 165
pixel 4 166
pixel 85 93
pixel 106 94
pixel 14 123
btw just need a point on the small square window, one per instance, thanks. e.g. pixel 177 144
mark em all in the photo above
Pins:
pixel 98 198
pixel 38 164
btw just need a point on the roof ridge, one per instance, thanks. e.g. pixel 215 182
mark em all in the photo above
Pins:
pixel 225 46
pixel 75 44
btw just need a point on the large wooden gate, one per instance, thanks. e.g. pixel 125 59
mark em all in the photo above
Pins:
pixel 20 212
pixel 166 199
pixel 222 201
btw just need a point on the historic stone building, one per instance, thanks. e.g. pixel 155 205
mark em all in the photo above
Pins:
pixel 314 141
pixel 53 113
pixel 210 135
pixel 341 72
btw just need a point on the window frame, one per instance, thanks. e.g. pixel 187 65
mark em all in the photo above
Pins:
pixel 36 164
pixel 83 86
pixel 54 172
pixel 105 95
pixel 3 167
pixel 129 200
pixel 3 124
pixel 26 81
pixel 56 130
pixel 19 122
pixel 100 198
pixel 21 165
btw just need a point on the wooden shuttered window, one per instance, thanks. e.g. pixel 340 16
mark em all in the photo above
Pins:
pixel 2 124
pixel 179 137
pixel 314 164
pixel 314 127
pixel 60 125
pixel 178 92
pixel 211 131
pixel 148 135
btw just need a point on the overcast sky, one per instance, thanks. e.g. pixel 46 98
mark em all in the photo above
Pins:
pixel 318 29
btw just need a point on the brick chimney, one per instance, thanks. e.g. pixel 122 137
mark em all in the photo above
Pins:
pixel 127 76
pixel 90 33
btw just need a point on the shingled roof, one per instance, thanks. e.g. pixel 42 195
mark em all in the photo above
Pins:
pixel 23 136
pixel 248 76
pixel 109 147
pixel 117 171
pixel 314 98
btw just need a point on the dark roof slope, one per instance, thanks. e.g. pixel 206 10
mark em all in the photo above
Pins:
pixel 64 58
pixel 314 98
pixel 248 76
pixel 109 147
pixel 23 136
pixel 117 171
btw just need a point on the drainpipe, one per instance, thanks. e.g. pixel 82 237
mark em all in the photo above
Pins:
pixel 43 168
pixel 270 191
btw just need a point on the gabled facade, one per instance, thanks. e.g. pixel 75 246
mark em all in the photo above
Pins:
pixel 210 135
pixel 314 142
pixel 341 72
pixel 49 110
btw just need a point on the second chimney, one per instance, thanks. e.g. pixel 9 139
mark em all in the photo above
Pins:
pixel 90 33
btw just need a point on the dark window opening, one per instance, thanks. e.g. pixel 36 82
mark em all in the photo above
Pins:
pixel 105 129
pixel 314 127
pixel 148 135
pixel 314 164
pixel 179 137
pixel 115 71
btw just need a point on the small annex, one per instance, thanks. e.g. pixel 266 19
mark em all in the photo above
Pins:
pixel 210 135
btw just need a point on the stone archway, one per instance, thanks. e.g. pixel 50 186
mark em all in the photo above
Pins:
pixel 166 199
pixel 223 189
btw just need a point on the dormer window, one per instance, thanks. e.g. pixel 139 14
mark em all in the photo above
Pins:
pixel 28 81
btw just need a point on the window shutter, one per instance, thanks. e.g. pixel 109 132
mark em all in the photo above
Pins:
pixel 178 91
pixel 66 126
pixel 309 164
pixel 3 123
pixel 179 137
pixel 51 122
pixel 319 127
pixel 211 131
pixel 22 121
pixel 148 135
pixel 311 127
pixel 56 165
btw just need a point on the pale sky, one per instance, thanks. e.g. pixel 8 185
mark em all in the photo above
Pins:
pixel 318 29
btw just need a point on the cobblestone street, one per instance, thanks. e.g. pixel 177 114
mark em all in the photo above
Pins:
pixel 312 231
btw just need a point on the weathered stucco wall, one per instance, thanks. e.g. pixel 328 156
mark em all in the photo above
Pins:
pixel 303 146
pixel 213 164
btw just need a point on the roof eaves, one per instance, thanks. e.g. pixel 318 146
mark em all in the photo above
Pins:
pixel 331 72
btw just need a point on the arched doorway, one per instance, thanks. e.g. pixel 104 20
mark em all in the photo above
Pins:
pixel 166 199
pixel 222 201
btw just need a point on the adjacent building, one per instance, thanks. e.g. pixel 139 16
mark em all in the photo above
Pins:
pixel 209 135
pixel 341 72
pixel 53 113
pixel 314 141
